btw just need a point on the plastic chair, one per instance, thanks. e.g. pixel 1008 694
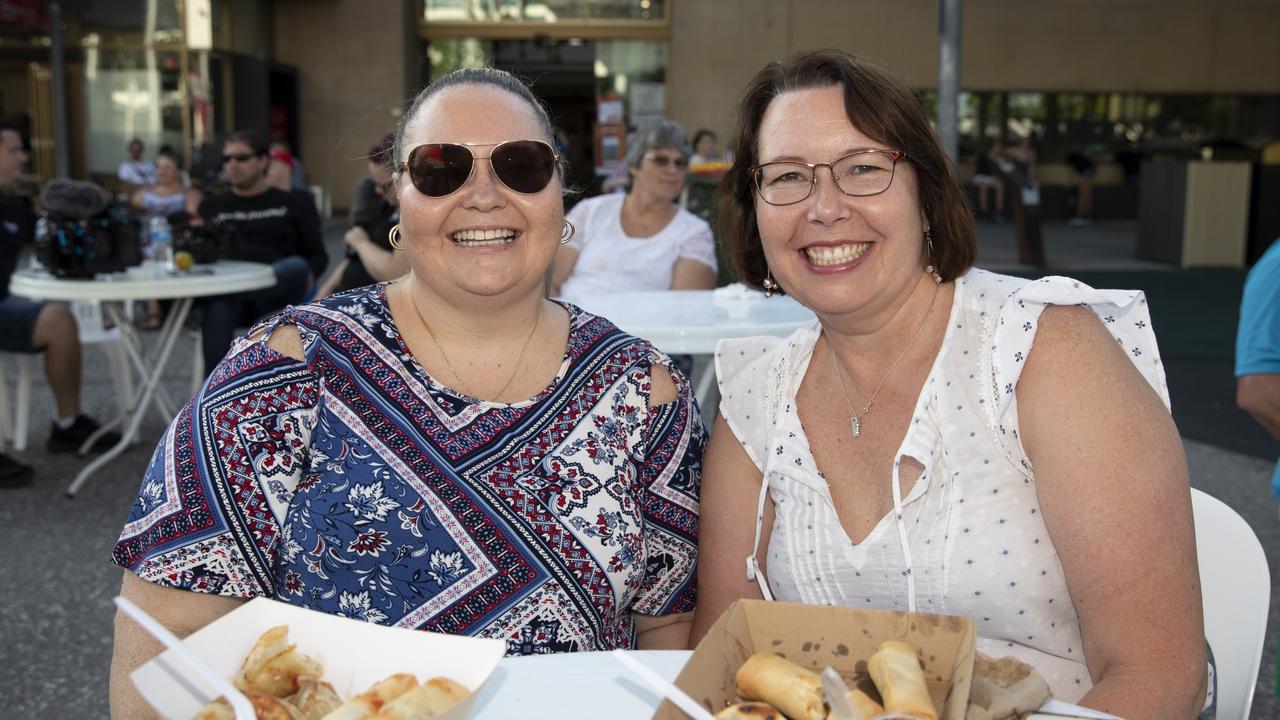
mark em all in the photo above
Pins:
pixel 15 425
pixel 1235 585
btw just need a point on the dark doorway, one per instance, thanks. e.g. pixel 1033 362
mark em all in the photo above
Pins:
pixel 282 120
pixel 561 73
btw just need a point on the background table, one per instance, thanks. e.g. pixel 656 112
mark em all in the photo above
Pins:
pixel 143 283
pixel 693 321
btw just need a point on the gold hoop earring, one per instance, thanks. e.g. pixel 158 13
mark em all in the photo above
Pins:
pixel 395 237
pixel 928 242
pixel 567 233
pixel 769 284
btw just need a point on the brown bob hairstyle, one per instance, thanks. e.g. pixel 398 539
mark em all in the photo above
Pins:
pixel 880 106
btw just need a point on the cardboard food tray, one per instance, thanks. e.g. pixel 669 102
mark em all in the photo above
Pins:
pixel 816 636
pixel 354 654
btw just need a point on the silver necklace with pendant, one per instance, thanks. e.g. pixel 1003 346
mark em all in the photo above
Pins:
pixel 855 418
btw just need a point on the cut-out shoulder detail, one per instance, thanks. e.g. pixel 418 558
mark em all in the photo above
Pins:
pixel 664 387
pixel 285 340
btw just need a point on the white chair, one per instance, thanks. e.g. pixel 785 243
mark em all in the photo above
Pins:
pixel 1235 584
pixel 14 426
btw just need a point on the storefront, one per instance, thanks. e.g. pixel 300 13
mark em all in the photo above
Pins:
pixel 599 66
pixel 175 73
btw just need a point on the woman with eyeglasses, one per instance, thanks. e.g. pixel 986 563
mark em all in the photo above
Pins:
pixel 941 439
pixel 449 451
pixel 641 239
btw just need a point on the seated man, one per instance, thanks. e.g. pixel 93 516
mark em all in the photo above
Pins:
pixel 27 326
pixel 264 225
pixel 136 172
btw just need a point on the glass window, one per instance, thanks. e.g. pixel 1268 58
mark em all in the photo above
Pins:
pixel 128 94
pixel 449 55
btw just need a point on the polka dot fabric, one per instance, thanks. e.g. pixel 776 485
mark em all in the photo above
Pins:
pixel 970 539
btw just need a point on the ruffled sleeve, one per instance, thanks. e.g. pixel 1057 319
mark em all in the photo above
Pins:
pixel 208 515
pixel 745 371
pixel 1012 331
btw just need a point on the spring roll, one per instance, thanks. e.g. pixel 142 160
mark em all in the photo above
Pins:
pixel 795 691
pixel 895 670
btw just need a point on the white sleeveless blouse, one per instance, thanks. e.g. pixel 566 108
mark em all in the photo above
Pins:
pixel 968 538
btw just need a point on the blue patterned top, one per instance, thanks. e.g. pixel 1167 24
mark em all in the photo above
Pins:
pixel 354 483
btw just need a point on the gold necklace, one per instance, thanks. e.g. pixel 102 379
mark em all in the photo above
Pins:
pixel 855 418
pixel 457 379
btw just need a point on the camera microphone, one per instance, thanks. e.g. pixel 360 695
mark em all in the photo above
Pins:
pixel 73 199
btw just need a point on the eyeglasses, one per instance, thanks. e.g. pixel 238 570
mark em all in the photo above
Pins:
pixel 663 161
pixel 238 157
pixel 865 172
pixel 440 169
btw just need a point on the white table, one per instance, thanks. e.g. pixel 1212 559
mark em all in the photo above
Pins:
pixel 143 283
pixel 594 685
pixel 693 321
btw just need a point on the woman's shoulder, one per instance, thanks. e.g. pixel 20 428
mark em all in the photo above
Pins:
pixel 594 337
pixel 598 204
pixel 686 223
pixel 1008 312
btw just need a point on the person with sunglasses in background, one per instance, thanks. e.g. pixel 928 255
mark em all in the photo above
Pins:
pixel 262 224
pixel 640 240
pixel 940 439
pixel 450 451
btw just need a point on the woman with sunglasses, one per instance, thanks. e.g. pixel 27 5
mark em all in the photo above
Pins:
pixel 449 451
pixel 640 240
pixel 941 439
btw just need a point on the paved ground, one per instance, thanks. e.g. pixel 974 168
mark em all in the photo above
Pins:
pixel 55 639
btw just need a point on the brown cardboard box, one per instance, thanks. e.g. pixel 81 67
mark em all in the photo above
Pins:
pixel 816 636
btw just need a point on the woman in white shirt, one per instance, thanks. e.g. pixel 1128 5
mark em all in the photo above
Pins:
pixel 920 452
pixel 641 240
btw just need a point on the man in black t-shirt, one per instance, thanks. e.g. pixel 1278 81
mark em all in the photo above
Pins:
pixel 264 225
pixel 27 326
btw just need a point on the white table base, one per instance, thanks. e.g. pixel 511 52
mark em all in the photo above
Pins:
pixel 148 391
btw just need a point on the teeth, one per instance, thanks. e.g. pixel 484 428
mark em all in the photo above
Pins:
pixel 839 255
pixel 480 238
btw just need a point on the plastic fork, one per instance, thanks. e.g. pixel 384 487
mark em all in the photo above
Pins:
pixel 239 703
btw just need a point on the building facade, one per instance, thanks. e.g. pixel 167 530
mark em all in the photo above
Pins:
pixel 331 76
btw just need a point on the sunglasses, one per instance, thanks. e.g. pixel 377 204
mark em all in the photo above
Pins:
pixel 663 161
pixel 238 157
pixel 440 169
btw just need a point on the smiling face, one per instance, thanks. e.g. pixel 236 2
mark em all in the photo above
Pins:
pixel 484 239
pixel 661 173
pixel 833 252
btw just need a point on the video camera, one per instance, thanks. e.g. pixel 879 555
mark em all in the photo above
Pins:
pixel 206 242
pixel 82 234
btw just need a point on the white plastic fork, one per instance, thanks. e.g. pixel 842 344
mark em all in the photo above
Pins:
pixel 239 703
pixel 664 687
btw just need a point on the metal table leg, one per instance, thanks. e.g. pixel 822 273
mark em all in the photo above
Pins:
pixel 146 392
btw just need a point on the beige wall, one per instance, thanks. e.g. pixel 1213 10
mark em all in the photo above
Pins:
pixel 1207 46
pixel 350 56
